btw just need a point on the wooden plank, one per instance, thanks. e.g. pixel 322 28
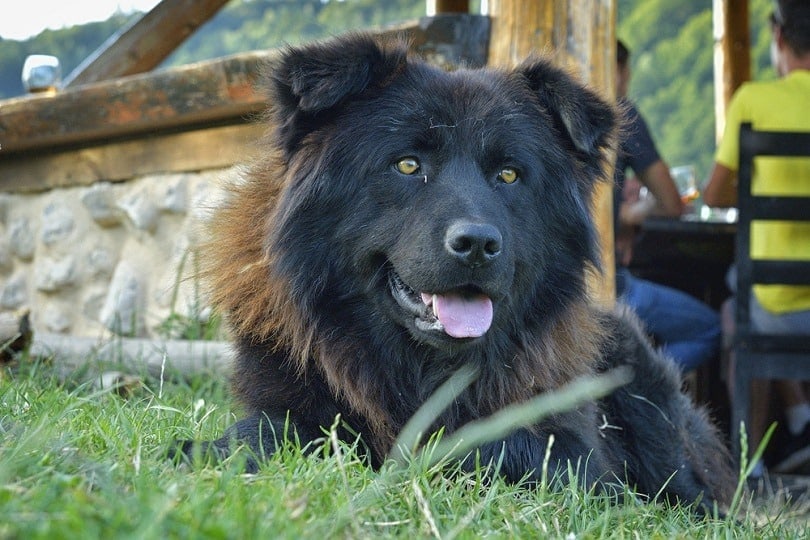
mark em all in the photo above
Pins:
pixel 578 34
pixel 211 148
pixel 732 55
pixel 204 93
pixel 146 43
pixel 185 356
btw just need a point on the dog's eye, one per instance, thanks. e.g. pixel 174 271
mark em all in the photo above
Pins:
pixel 407 165
pixel 508 175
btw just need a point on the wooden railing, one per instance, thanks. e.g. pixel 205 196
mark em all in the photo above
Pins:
pixel 192 117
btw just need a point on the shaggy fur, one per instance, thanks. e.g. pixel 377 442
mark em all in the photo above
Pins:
pixel 391 190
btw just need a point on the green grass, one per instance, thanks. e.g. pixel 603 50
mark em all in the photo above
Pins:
pixel 198 322
pixel 81 462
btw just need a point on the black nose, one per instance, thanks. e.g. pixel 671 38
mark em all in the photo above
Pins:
pixel 474 244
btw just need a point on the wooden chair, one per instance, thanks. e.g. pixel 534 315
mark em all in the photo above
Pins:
pixel 761 356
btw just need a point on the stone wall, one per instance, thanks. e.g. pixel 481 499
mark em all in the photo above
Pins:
pixel 112 258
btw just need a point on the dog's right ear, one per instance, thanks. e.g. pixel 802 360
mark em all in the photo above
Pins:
pixel 585 119
pixel 314 80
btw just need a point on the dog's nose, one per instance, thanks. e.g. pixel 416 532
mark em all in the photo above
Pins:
pixel 474 244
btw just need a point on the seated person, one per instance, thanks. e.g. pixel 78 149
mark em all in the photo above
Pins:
pixel 776 105
pixel 687 329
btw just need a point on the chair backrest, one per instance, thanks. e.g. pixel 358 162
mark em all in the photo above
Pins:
pixel 753 207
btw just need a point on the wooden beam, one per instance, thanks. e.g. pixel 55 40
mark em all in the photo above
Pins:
pixel 181 98
pixel 211 148
pixel 732 55
pixel 146 43
pixel 185 356
pixel 580 35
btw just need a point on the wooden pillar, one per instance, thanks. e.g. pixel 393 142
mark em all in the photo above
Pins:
pixel 732 54
pixel 579 35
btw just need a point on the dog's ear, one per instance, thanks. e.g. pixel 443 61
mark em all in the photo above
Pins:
pixel 587 120
pixel 314 80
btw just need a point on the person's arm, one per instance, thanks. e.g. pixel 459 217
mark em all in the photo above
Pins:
pixel 665 199
pixel 721 189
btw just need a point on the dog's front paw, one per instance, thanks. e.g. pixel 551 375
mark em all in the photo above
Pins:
pixel 215 453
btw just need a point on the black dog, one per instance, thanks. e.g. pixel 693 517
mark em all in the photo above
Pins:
pixel 405 221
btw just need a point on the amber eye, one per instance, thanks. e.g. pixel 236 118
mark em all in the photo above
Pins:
pixel 408 165
pixel 508 175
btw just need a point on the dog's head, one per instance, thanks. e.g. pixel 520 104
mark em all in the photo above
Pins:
pixel 455 204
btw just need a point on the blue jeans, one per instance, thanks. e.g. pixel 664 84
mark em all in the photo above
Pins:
pixel 687 329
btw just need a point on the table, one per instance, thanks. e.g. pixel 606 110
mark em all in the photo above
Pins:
pixel 691 253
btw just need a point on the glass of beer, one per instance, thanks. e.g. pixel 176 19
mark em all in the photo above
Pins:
pixel 686 181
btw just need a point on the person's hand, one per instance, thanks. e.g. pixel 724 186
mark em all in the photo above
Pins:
pixel 626 235
pixel 625 238
pixel 631 191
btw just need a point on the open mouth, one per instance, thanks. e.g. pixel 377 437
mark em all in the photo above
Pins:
pixel 460 313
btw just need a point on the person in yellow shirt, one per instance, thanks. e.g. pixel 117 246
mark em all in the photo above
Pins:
pixel 779 105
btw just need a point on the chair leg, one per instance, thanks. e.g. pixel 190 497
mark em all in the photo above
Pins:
pixel 741 404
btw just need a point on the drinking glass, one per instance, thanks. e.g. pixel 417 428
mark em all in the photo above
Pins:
pixel 686 181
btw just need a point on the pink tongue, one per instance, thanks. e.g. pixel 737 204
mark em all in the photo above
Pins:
pixel 463 316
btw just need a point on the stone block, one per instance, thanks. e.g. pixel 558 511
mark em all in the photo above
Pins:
pixel 21 235
pixel 6 261
pixel 57 223
pixel 141 212
pixel 52 275
pixel 122 312
pixel 99 200
pixel 14 293
pixel 5 204
pixel 54 319
pixel 173 195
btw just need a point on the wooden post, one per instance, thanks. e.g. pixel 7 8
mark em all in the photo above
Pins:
pixel 143 45
pixel 579 35
pixel 732 55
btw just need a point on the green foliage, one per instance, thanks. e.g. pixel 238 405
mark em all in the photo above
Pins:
pixel 245 25
pixel 672 50
pixel 198 321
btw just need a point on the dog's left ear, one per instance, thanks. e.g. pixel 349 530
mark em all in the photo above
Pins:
pixel 316 79
pixel 579 114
